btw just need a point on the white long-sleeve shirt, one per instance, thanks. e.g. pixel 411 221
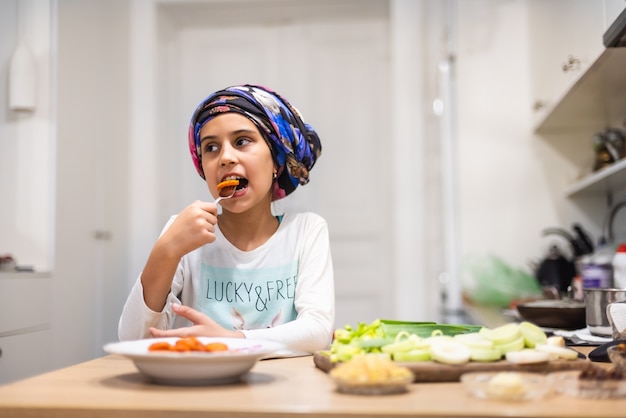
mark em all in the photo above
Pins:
pixel 281 291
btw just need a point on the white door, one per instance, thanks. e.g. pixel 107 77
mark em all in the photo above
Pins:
pixel 336 71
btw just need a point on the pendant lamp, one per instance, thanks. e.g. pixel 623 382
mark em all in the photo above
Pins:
pixel 22 74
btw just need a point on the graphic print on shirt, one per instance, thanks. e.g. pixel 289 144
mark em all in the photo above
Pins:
pixel 248 298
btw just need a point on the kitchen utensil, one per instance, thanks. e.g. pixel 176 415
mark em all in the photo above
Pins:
pixel 556 270
pixel 607 227
pixel 584 241
pixel 226 190
pixel 596 303
pixel 615 142
pixel 600 354
pixel 578 247
pixel 604 153
pixel 561 314
pixel 616 314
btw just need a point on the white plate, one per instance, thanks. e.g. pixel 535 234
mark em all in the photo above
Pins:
pixel 195 368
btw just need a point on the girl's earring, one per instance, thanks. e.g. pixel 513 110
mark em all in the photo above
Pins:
pixel 275 174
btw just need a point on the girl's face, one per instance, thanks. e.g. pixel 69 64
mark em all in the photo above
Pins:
pixel 233 148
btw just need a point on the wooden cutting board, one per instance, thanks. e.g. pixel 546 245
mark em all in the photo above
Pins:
pixel 430 371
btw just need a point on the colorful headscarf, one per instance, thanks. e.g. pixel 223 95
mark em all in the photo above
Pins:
pixel 294 144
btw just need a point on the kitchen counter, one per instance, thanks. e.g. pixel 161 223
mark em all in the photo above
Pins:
pixel 110 386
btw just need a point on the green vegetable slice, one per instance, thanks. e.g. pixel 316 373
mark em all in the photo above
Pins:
pixel 450 352
pixel 503 334
pixel 423 329
pixel 515 345
pixel 533 335
pixel 485 354
pixel 412 356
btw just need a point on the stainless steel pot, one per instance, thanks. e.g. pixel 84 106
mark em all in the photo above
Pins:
pixel 596 302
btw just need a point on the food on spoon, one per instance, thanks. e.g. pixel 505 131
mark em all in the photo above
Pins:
pixel 187 344
pixel 227 183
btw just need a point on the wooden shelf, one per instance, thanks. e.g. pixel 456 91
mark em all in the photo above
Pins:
pixel 25 275
pixel 596 98
pixel 600 182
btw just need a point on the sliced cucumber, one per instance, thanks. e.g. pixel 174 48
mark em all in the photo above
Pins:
pixel 413 355
pixel 450 352
pixel 503 334
pixel 438 339
pixel 533 335
pixel 561 352
pixel 515 345
pixel 485 354
pixel 475 340
pixel 527 356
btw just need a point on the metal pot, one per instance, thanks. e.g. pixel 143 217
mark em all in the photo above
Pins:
pixel 596 302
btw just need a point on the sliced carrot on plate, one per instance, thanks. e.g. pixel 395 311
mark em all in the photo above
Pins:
pixel 216 347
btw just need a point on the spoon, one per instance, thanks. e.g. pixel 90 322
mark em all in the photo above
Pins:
pixel 226 189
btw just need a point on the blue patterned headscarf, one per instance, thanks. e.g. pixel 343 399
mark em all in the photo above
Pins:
pixel 294 144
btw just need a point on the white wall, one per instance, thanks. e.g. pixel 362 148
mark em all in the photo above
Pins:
pixel 92 176
pixel 506 196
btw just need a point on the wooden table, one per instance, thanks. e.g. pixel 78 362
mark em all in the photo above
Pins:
pixel 110 386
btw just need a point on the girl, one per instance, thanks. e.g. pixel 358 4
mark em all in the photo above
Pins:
pixel 243 273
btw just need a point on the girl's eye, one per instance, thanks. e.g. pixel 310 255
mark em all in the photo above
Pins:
pixel 210 148
pixel 243 141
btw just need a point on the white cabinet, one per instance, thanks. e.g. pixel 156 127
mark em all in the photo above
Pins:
pixel 594 101
pixel 25 355
pixel 25 324
pixel 565 37
pixel 27 141
pixel 589 99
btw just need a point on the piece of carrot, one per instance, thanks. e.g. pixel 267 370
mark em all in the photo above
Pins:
pixel 160 346
pixel 227 183
pixel 187 344
pixel 216 347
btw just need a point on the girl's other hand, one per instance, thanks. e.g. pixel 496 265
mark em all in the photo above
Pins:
pixel 203 326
